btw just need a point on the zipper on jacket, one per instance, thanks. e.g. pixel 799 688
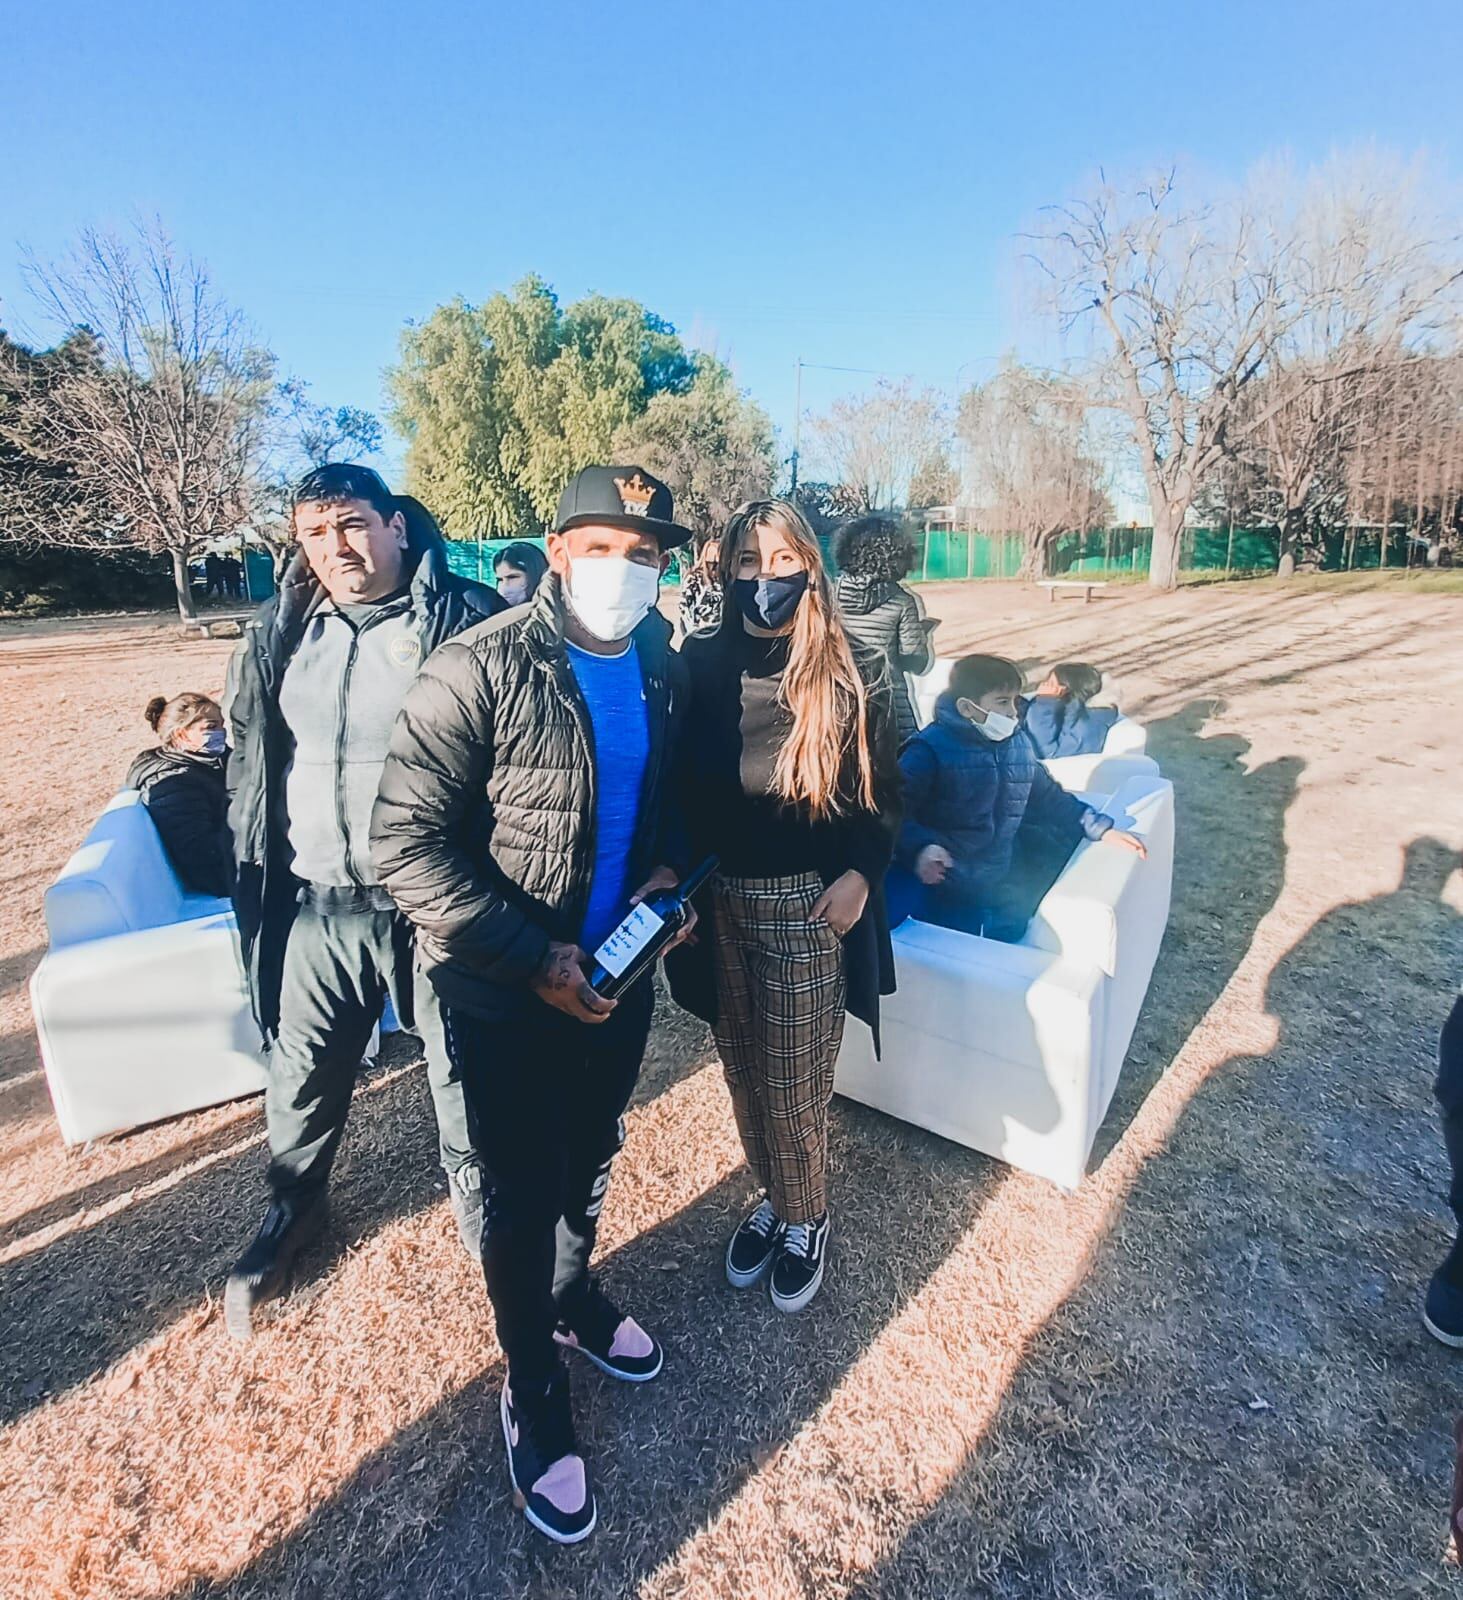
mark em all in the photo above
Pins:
pixel 342 717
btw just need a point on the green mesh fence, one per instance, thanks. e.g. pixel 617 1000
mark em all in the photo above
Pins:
pixel 943 557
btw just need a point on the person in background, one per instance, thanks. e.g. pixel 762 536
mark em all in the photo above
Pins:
pixel 521 810
pixel 518 569
pixel 701 592
pixel 880 612
pixel 1442 1313
pixel 972 782
pixel 181 781
pixel 788 774
pixel 213 575
pixel 1059 720
pixel 315 687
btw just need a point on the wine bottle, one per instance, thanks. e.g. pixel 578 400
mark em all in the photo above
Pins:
pixel 631 950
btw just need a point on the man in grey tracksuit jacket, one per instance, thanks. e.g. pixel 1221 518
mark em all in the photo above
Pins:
pixel 316 686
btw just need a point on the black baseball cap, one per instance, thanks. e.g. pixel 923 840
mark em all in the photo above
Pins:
pixel 621 497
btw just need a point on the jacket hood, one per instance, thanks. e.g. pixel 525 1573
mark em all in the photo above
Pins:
pixel 859 593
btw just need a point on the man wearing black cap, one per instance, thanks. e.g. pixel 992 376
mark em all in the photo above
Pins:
pixel 315 687
pixel 520 809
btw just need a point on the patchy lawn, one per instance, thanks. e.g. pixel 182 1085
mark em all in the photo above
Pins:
pixel 1201 1375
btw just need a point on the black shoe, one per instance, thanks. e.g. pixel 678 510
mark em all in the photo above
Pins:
pixel 797 1271
pixel 264 1268
pixel 466 1189
pixel 550 1478
pixel 1442 1311
pixel 615 1343
pixel 752 1246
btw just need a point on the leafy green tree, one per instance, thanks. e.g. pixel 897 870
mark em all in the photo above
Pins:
pixel 711 443
pixel 500 403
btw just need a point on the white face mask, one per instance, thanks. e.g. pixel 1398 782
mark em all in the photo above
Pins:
pixel 996 726
pixel 610 594
pixel 514 591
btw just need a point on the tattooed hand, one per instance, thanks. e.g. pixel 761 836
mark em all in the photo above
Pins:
pixel 561 982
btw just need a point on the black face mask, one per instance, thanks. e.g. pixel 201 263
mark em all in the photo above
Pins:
pixel 770 602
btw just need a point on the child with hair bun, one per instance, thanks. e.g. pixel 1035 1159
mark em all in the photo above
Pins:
pixel 1058 718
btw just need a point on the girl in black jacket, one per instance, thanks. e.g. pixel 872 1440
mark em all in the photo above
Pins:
pixel 788 771
pixel 182 785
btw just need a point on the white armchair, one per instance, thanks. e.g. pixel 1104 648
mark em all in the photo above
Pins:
pixel 1015 1050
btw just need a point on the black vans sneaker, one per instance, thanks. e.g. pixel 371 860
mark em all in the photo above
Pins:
pixel 550 1479
pixel 615 1343
pixel 797 1270
pixel 752 1246
pixel 1442 1311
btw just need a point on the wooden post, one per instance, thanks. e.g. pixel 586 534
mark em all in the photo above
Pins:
pixel 1229 548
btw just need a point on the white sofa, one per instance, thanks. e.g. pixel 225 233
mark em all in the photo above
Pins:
pixel 1126 739
pixel 139 1003
pixel 1015 1050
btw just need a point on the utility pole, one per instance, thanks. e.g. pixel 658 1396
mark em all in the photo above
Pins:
pixel 797 424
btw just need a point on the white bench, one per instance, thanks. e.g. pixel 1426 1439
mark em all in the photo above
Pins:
pixel 1051 585
pixel 1015 1050
pixel 139 1003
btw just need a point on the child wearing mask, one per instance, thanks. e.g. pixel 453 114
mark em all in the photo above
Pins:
pixel 181 780
pixel 1058 718
pixel 972 779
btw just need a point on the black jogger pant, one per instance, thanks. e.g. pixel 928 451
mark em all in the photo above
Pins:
pixel 339 967
pixel 545 1098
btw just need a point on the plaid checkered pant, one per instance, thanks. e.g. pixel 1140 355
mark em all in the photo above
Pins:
pixel 779 998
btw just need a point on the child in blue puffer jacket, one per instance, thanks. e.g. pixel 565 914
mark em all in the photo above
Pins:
pixel 1058 718
pixel 972 781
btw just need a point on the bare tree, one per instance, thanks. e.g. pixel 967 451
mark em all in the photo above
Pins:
pixel 1197 305
pixel 158 443
pixel 877 443
pixel 1028 466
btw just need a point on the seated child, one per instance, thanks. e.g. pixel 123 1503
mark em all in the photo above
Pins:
pixel 182 785
pixel 1058 718
pixel 972 778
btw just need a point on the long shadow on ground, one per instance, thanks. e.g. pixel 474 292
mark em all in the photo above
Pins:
pixel 1240 1400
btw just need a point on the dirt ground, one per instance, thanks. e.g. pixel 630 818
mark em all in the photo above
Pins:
pixel 1201 1375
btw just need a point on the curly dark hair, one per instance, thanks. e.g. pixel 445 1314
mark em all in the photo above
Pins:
pixel 873 547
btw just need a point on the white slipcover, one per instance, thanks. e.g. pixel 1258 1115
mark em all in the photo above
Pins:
pixel 1015 1050
pixel 139 1003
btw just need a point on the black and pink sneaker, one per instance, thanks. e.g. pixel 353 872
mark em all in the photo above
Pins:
pixel 615 1343
pixel 550 1478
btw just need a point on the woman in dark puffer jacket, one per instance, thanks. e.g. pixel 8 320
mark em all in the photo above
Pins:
pixel 182 785
pixel 881 613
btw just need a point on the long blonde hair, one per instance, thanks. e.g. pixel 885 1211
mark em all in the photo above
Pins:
pixel 822 687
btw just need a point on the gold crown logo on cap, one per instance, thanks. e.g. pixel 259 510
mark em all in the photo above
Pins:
pixel 635 495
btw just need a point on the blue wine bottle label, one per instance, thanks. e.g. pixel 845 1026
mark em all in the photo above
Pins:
pixel 628 940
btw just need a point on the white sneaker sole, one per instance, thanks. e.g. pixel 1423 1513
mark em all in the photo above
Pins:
pixel 521 1500
pixel 605 1367
pixel 748 1280
pixel 796 1302
pixel 1452 1340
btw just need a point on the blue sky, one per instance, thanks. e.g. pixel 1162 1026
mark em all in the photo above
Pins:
pixel 842 183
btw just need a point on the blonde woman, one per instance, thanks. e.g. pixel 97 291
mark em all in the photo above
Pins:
pixel 788 773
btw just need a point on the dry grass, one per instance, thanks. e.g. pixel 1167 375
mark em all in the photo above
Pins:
pixel 1201 1375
